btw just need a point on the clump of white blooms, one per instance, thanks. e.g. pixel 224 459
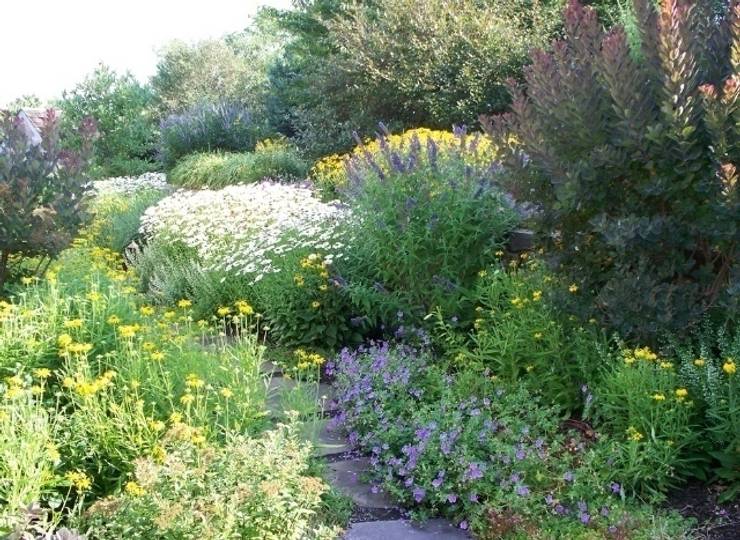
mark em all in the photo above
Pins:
pixel 128 185
pixel 242 229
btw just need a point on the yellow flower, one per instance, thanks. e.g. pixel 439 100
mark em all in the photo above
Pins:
pixel 530 368
pixel 80 348
pixel 729 367
pixel 517 302
pixel 244 308
pixel 298 279
pixel 52 452
pixel 184 303
pixel 316 304
pixel 148 346
pixel 573 288
pixel 94 296
pixel 681 393
pixel 499 253
pixel 157 356
pixel 134 489
pixel 644 353
pixel 42 373
pixel 537 296
pixel 633 434
pixel 175 417
pixel 538 335
pixel 226 392
pixel 158 453
pixel 323 288
pixel 223 311
pixel 666 365
pixel 482 273
pixel 79 480
pixel 699 362
pixel 658 397
pixel 114 320
pixel 146 311
pixel 73 323
pixel 193 381
pixel 169 315
pixel 129 330
pixel 187 399
pixel 27 280
pixel 156 425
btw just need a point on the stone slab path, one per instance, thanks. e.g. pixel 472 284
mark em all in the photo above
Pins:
pixel 346 472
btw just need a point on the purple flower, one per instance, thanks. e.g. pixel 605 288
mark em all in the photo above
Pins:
pixel 560 509
pixel 585 518
pixel 615 487
pixel 548 499
pixel 568 476
pixel 515 478
pixel 374 489
pixel 475 471
pixel 452 498
pixel 473 497
pixel 419 494
pixel 604 511
pixel 522 490
pixel 520 454
pixel 582 506
pixel 440 478
pixel 464 525
pixel 538 443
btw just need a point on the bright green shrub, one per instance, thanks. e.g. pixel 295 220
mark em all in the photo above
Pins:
pixel 124 112
pixel 41 190
pixel 270 159
pixel 517 335
pixel 423 225
pixel 633 163
pixel 207 127
pixel 249 488
pixel 303 305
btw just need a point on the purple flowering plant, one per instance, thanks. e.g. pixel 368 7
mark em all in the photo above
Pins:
pixel 462 445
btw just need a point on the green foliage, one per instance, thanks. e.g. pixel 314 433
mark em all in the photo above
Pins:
pixel 519 336
pixel 303 305
pixel 249 488
pixel 206 127
pixel 421 229
pixel 24 101
pixel 232 68
pixel 633 163
pixel 123 110
pixel 117 217
pixel 448 64
pixel 41 189
pixel 270 159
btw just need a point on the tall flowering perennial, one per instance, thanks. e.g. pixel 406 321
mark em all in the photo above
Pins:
pixel 242 229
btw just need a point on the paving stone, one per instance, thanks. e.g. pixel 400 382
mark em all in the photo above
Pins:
pixel 434 529
pixel 327 442
pixel 346 476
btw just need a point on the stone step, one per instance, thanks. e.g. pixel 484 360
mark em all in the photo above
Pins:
pixel 327 442
pixel 434 529
pixel 346 476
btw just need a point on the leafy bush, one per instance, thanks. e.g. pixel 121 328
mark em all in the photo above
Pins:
pixel 249 488
pixel 206 127
pixel 633 162
pixel 303 304
pixel 424 223
pixel 123 110
pixel 41 188
pixel 513 331
pixel 270 159
pixel 480 452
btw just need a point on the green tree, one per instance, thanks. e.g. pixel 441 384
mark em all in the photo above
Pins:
pixel 123 110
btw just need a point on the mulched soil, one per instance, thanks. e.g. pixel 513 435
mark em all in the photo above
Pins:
pixel 716 521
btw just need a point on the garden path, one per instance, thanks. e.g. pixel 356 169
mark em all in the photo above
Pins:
pixel 375 516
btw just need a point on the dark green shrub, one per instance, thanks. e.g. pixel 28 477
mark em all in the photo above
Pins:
pixel 41 190
pixel 270 159
pixel 207 127
pixel 633 163
pixel 424 224
pixel 123 110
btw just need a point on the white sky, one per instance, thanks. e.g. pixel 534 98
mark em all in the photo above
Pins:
pixel 47 46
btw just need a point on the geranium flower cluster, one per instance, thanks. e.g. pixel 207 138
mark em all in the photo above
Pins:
pixel 243 229
pixel 128 185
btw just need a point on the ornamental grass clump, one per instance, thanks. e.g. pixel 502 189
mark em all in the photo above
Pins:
pixel 631 153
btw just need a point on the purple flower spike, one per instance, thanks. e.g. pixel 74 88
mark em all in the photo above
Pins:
pixel 419 494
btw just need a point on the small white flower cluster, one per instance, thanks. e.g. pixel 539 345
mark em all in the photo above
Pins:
pixel 128 185
pixel 242 229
